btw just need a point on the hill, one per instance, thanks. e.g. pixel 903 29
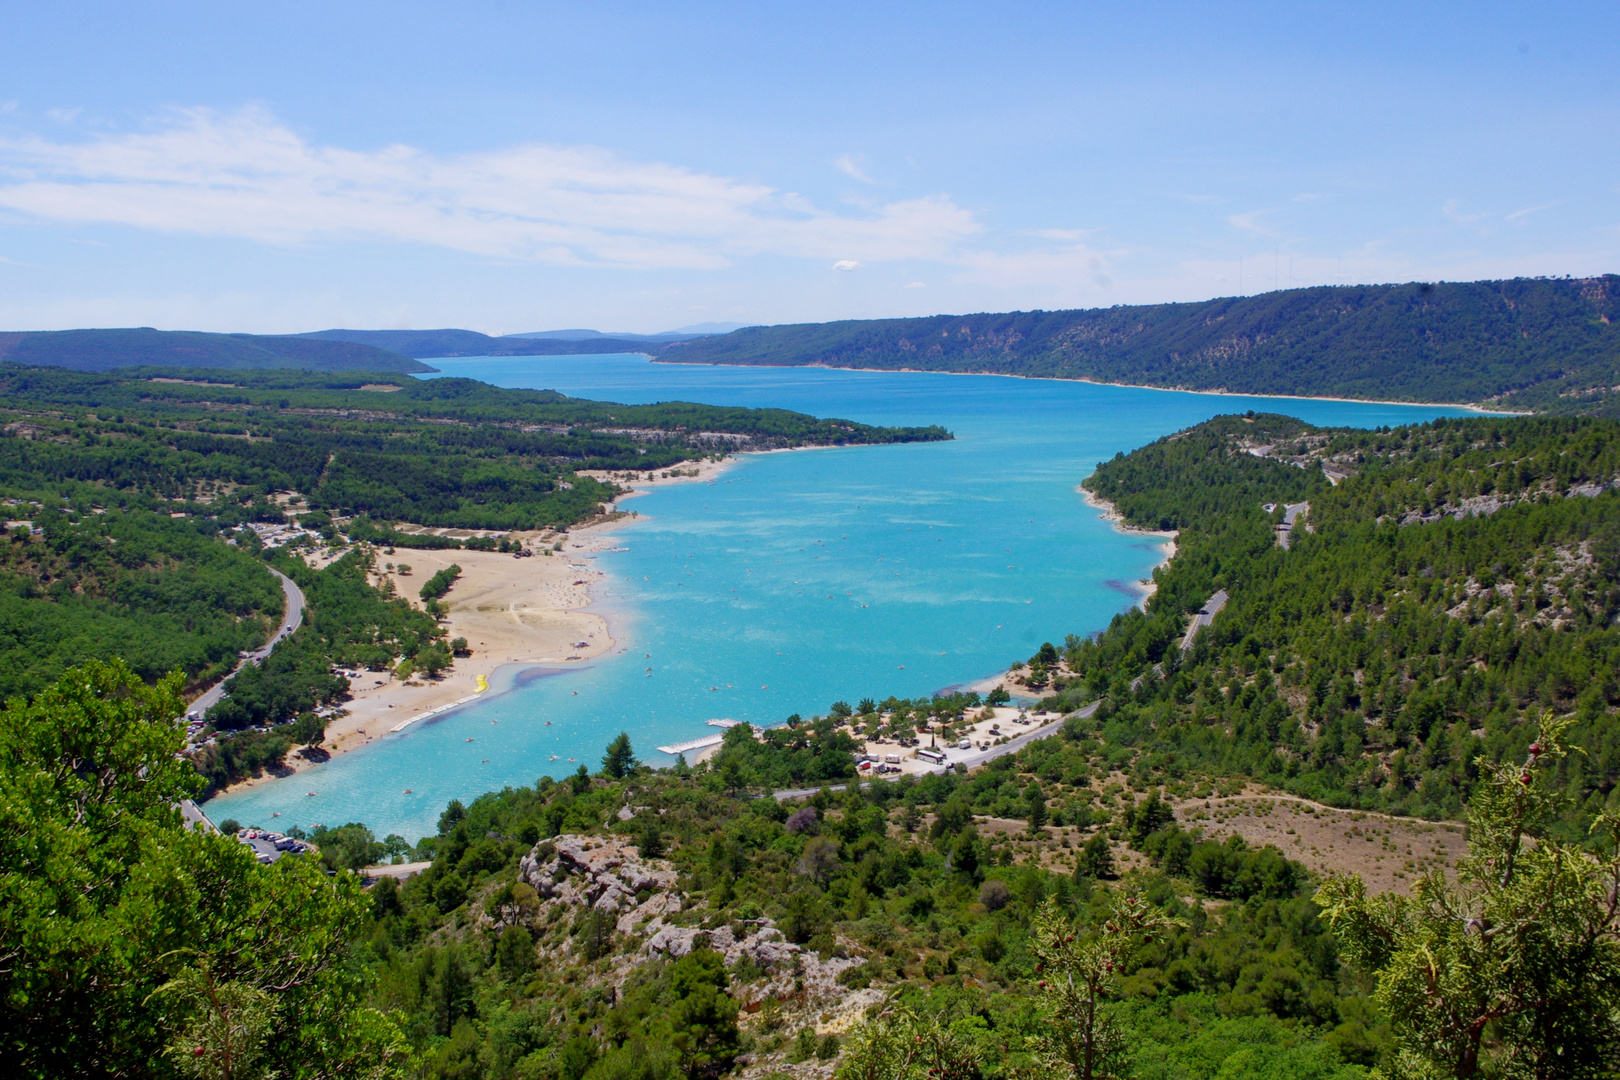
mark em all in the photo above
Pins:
pixel 1447 583
pixel 106 350
pixel 1542 344
pixel 1459 577
pixel 124 488
pixel 432 343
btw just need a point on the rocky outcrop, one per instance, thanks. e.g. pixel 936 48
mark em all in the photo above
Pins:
pixel 761 942
pixel 607 874
pixel 604 873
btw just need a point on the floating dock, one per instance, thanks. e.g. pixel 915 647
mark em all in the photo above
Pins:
pixel 695 744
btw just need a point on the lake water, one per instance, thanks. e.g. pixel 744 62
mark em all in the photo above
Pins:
pixel 798 579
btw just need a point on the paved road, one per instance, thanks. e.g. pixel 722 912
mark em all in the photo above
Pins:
pixel 1206 615
pixel 290 619
pixel 194 818
pixel 1291 512
pixel 401 871
pixel 970 758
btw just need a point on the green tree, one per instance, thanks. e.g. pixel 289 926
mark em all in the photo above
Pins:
pixel 1514 968
pixel 1096 859
pixel 650 843
pixel 620 760
pixel 127 939
pixel 1079 970
pixel 898 1044
pixel 308 729
pixel 434 659
pixel 1035 799
pixel 704 1019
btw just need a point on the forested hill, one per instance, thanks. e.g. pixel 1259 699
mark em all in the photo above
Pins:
pixel 105 350
pixel 1463 576
pixel 1530 343
pixel 435 343
pixel 124 486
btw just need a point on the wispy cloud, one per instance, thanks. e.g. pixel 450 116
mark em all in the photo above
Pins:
pixel 846 265
pixel 1251 222
pixel 245 175
pixel 1451 210
pixel 850 166
pixel 1527 211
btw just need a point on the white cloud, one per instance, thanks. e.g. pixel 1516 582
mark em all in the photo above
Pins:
pixel 1250 222
pixel 1527 211
pixel 846 265
pixel 916 285
pixel 850 166
pixel 245 175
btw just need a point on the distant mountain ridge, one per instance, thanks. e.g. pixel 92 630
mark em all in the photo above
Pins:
pixel 1547 344
pixel 104 350
pixel 449 342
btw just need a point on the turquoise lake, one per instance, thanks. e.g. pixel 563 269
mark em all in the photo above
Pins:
pixel 797 579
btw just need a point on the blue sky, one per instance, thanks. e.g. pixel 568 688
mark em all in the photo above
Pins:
pixel 525 166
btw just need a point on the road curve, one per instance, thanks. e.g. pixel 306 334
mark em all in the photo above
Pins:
pixel 290 620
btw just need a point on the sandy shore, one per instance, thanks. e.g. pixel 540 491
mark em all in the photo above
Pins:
pixel 1147 586
pixel 1468 405
pixel 510 610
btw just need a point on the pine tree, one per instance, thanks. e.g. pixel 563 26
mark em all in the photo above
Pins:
pixel 620 760
pixel 1514 968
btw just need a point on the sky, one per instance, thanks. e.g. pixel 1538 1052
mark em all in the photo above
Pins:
pixel 511 167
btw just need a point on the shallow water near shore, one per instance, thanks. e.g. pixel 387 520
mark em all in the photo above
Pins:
pixel 798 579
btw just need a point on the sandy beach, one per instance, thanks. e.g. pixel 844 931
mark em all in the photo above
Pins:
pixel 516 611
pixel 510 610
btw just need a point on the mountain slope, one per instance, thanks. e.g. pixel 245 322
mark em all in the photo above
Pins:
pixel 104 350
pixel 1459 579
pixel 1543 344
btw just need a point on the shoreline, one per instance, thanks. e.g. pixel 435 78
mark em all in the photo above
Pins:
pixel 547 621
pixel 534 614
pixel 1110 514
pixel 1468 406
pixel 1146 586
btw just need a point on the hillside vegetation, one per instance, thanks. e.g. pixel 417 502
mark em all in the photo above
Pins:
pixel 1442 632
pixel 1536 344
pixel 134 495
pixel 105 350
pixel 1465 574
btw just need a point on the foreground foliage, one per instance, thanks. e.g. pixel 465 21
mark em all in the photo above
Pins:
pixel 1514 969
pixel 130 945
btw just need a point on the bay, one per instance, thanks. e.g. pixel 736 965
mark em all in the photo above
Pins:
pixel 797 579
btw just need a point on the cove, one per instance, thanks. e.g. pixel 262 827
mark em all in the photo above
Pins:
pixel 797 579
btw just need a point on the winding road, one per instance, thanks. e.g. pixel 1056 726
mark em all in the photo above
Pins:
pixel 290 619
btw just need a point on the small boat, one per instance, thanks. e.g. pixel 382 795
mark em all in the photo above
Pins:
pixel 469 740
pixel 310 795
pixel 407 791
pixel 553 757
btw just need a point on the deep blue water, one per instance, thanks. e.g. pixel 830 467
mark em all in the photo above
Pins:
pixel 800 578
